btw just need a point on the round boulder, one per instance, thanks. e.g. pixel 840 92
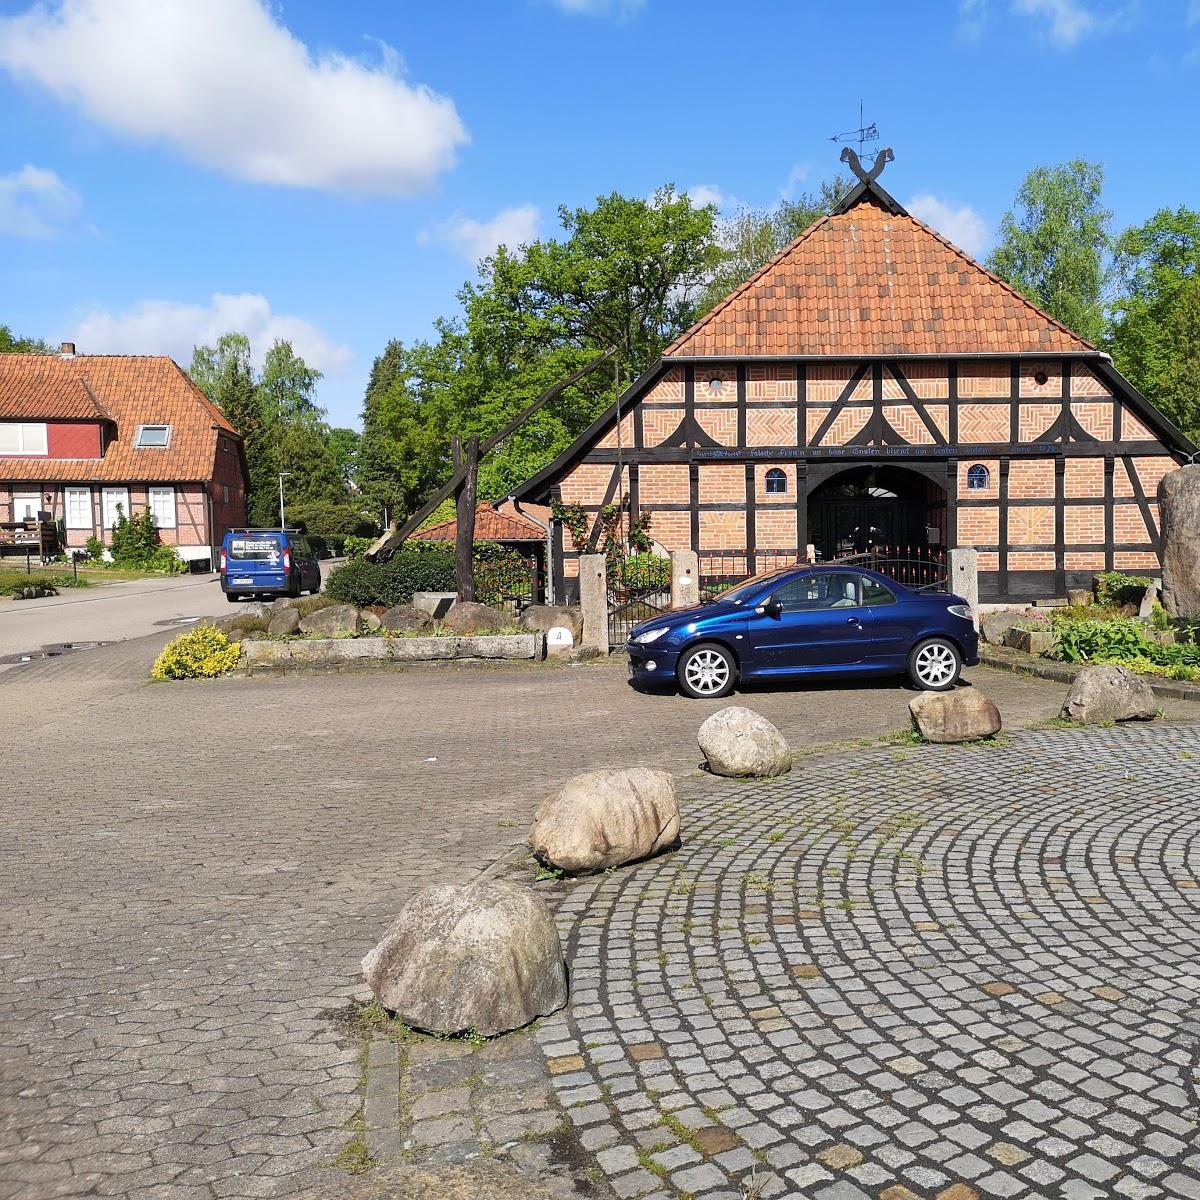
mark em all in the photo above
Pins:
pixel 541 618
pixel 404 618
pixel 995 625
pixel 963 715
pixel 738 742
pixel 468 618
pixel 602 819
pixel 485 957
pixel 1106 693
pixel 284 621
pixel 331 621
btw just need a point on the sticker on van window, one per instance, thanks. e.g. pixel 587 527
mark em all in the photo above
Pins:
pixel 254 550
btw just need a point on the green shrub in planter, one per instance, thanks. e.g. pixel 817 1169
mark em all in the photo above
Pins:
pixel 201 653
pixel 1117 588
pixel 417 567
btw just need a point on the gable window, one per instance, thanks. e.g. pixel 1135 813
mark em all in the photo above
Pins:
pixel 23 437
pixel 977 478
pixel 776 482
pixel 162 505
pixel 150 436
pixel 79 508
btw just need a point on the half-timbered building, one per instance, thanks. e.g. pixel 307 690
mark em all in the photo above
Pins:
pixel 873 387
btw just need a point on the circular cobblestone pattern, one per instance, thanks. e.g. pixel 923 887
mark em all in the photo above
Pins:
pixel 950 972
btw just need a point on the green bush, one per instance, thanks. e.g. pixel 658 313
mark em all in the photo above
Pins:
pixel 417 567
pixel 28 587
pixel 1117 588
pixel 356 547
pixel 501 573
pixel 95 550
pixel 646 571
pixel 201 653
pixel 1123 642
pixel 137 546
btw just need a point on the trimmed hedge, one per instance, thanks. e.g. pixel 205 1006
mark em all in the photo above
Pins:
pixel 417 567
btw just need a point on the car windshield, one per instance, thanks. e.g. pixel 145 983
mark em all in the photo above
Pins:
pixel 751 587
pixel 254 549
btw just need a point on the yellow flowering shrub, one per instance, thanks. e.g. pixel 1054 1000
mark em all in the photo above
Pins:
pixel 201 653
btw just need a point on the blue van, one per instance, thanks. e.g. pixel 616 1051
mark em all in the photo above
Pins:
pixel 278 562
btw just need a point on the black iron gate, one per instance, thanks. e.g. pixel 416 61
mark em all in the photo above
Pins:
pixel 638 588
pixel 922 568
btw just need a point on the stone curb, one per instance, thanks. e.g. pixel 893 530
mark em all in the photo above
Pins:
pixel 1004 658
pixel 335 651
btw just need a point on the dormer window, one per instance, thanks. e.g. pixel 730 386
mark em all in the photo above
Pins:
pixel 152 436
pixel 23 438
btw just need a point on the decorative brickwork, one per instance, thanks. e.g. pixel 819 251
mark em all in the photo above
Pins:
pixel 1031 525
pixel 982 423
pixel 658 424
pixel 771 427
pixel 983 380
pixel 1094 418
pixel 1036 419
pixel 1084 382
pixel 611 438
pixel 1041 379
pixel 720 424
pixel 722 530
pixel 771 383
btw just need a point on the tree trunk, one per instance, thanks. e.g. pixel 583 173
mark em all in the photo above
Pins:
pixel 464 542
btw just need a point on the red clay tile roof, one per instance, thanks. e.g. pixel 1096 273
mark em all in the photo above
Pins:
pixel 490 526
pixel 127 390
pixel 870 282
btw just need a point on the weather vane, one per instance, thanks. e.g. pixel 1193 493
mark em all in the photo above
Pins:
pixel 855 159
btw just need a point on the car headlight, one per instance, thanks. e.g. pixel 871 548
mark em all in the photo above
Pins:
pixel 651 635
pixel 961 610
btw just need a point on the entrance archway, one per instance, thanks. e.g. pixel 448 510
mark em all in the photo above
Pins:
pixel 875 507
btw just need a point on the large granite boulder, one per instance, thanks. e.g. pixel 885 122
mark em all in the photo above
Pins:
pixel 285 621
pixel 541 618
pixel 1179 508
pixel 405 618
pixel 332 621
pixel 1107 693
pixel 962 715
pixel 485 957
pixel 738 742
pixel 468 618
pixel 995 625
pixel 605 818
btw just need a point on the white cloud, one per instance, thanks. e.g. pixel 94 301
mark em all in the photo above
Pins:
pixel 796 176
pixel 475 240
pixel 962 225
pixel 34 202
pixel 230 87
pixel 703 194
pixel 621 10
pixel 172 327
pixel 971 18
pixel 1067 20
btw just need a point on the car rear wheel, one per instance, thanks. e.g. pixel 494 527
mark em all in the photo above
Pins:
pixel 934 665
pixel 707 672
pixel 232 597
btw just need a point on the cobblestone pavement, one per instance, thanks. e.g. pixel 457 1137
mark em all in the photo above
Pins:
pixel 189 875
pixel 943 972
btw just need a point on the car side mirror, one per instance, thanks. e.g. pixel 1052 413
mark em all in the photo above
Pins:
pixel 771 608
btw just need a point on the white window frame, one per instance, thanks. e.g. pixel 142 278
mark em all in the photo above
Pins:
pixel 22 498
pixel 27 439
pixel 72 518
pixel 167 518
pixel 109 500
pixel 140 444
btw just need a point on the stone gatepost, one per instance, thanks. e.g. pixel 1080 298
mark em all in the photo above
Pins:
pixel 1179 506
pixel 964 577
pixel 685 578
pixel 593 599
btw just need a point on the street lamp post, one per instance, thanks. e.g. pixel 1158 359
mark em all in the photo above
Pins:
pixel 282 476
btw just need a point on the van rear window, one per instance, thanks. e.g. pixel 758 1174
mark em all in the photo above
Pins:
pixel 252 549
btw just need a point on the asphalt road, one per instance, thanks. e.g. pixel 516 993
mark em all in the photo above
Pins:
pixel 106 613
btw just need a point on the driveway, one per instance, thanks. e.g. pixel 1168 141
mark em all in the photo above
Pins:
pixel 106 613
pixel 191 873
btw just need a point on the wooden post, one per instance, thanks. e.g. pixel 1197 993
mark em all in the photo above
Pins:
pixel 464 542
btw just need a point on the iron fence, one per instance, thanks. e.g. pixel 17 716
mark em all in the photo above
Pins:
pixel 922 568
pixel 638 588
pixel 507 582
pixel 720 570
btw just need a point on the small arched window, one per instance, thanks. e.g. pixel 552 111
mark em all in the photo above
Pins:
pixel 977 478
pixel 776 482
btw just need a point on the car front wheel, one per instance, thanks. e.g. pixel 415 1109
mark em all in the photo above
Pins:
pixel 934 665
pixel 707 672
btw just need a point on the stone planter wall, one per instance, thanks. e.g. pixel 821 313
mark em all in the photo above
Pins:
pixel 334 652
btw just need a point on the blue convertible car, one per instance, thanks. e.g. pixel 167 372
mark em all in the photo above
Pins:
pixel 833 619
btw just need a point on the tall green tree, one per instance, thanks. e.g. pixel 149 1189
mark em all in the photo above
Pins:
pixel 1155 334
pixel 10 343
pixel 625 274
pixel 752 237
pixel 1055 245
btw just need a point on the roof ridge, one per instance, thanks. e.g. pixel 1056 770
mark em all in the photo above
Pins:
pixel 696 326
pixel 1008 287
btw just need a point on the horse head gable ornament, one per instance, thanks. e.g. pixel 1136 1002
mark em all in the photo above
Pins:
pixel 882 159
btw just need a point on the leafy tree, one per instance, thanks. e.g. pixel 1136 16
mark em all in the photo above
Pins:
pixel 343 447
pixel 1055 247
pixel 10 343
pixel 752 237
pixel 379 464
pixel 1155 336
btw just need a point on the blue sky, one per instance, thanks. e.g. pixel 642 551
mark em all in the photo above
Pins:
pixel 329 172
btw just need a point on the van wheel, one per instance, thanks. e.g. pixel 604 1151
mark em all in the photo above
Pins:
pixel 707 672
pixel 934 665
pixel 232 597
